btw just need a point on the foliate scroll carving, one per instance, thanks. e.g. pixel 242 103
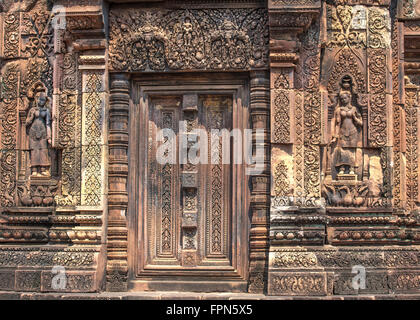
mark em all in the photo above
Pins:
pixel 284 279
pixel 357 27
pixel 26 89
pixel 69 125
pixel 167 186
pixel 396 46
pixel 36 70
pixel 294 259
pixel 8 155
pixel 37 34
pixel 297 283
pixel 404 282
pixel 281 116
pixel 188 39
pixel 346 26
pixel 346 64
pixel 310 72
pixel 408 8
pixel 292 20
pixel 299 148
pixel 412 143
pixel 40 258
pixel 379 28
pixel 11 41
pixel 293 2
pixel 378 110
pixel 69 72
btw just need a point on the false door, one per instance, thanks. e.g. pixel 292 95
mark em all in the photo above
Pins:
pixel 192 216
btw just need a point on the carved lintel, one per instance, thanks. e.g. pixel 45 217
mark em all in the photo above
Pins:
pixel 188 40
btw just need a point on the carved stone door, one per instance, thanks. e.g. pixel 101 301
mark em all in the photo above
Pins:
pixel 192 203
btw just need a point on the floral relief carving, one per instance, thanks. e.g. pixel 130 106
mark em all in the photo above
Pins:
pixel 8 157
pixel 282 186
pixel 188 39
pixel 357 27
pixel 299 284
pixel 281 116
pixel 341 144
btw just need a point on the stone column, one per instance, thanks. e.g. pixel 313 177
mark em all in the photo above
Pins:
pixel 118 173
pixel 260 201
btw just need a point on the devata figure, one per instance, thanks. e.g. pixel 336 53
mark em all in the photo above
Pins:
pixel 346 126
pixel 38 123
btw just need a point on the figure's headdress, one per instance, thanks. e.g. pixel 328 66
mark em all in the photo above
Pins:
pixel 36 89
pixel 346 83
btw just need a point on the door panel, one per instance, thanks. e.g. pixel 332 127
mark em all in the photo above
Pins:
pixel 217 115
pixel 192 216
pixel 189 205
pixel 162 187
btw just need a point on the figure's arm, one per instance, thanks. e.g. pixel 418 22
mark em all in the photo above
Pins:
pixel 48 125
pixel 30 117
pixel 336 124
pixel 357 117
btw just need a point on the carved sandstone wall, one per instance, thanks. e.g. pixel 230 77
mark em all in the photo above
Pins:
pixel 334 83
pixel 344 156
pixel 53 177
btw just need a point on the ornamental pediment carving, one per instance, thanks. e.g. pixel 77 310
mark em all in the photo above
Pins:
pixel 188 40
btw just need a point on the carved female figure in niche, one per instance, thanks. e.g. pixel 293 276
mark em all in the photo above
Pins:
pixel 38 123
pixel 346 126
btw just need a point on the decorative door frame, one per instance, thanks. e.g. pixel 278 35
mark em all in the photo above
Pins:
pixel 242 35
pixel 239 228
pixel 120 243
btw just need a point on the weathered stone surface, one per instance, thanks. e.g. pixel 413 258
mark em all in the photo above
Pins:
pixel 329 89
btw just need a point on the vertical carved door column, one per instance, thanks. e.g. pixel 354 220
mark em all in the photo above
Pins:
pixel 117 175
pixel 260 201
pixel 407 113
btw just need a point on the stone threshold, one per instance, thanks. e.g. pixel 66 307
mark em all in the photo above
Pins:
pixel 8 295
